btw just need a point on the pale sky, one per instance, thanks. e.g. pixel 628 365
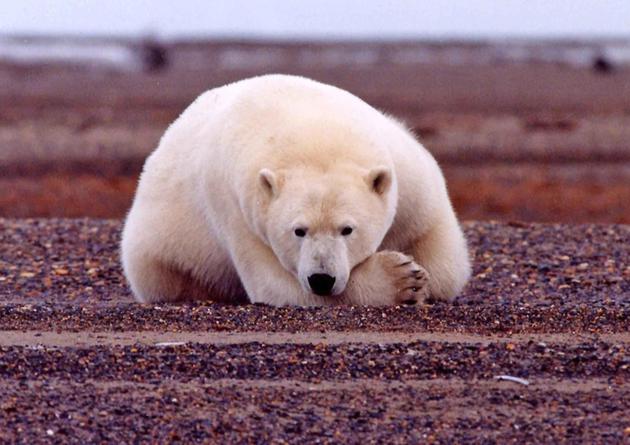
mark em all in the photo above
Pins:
pixel 319 18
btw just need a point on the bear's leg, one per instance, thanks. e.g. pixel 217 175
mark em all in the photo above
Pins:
pixel 442 251
pixel 386 278
pixel 152 281
pixel 168 268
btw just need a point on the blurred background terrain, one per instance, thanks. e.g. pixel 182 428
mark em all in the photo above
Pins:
pixel 528 115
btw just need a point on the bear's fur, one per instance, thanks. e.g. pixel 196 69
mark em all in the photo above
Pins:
pixel 279 187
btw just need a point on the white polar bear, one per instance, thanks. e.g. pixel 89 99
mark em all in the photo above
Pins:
pixel 291 192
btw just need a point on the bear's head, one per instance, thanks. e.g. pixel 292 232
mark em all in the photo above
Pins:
pixel 322 223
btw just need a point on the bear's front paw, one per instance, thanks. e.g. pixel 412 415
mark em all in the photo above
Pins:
pixel 408 282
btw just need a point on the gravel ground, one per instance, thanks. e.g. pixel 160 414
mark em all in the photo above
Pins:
pixel 80 362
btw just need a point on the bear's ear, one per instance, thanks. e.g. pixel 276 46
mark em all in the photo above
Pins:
pixel 380 179
pixel 268 181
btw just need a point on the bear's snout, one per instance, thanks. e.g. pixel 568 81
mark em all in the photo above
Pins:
pixel 321 283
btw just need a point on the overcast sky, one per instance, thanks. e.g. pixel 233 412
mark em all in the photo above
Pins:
pixel 319 18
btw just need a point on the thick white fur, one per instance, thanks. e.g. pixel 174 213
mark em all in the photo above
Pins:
pixel 245 164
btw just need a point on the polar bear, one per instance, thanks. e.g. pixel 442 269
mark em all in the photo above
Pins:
pixel 291 192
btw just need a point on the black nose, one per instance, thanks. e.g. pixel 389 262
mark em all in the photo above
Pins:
pixel 321 283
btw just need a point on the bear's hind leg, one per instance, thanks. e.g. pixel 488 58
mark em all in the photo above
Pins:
pixel 152 281
pixel 444 254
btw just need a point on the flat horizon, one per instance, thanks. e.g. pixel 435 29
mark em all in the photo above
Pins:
pixel 321 20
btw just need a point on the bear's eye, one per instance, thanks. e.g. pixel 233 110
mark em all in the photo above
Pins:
pixel 300 232
pixel 346 231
